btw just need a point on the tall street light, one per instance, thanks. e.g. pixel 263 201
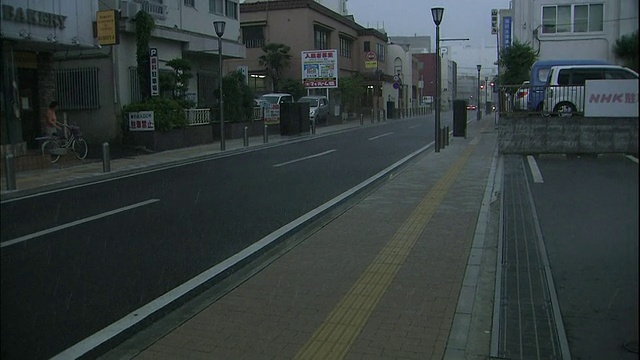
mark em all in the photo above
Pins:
pixel 219 28
pixel 478 107
pixel 437 13
pixel 486 99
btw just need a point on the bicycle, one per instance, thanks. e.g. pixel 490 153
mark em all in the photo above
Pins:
pixel 58 147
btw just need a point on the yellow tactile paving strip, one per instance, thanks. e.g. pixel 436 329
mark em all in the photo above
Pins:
pixel 340 329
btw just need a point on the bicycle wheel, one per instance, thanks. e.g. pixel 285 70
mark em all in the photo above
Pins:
pixel 49 147
pixel 80 148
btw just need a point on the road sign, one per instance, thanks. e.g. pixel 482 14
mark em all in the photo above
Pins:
pixel 396 77
pixel 371 56
pixel 371 64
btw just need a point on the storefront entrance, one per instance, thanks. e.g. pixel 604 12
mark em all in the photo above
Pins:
pixel 29 105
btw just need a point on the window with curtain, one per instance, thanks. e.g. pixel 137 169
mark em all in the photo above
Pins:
pixel 380 50
pixel 345 47
pixel 320 39
pixel 577 18
pixel 253 36
pixel 216 6
pixel 231 8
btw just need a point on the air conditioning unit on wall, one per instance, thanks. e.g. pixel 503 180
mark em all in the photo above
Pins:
pixel 128 9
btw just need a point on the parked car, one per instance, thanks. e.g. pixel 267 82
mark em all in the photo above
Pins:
pixel 521 98
pixel 539 73
pixel 277 98
pixel 471 107
pixel 564 92
pixel 318 107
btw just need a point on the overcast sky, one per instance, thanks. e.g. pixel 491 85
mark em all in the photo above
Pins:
pixel 462 19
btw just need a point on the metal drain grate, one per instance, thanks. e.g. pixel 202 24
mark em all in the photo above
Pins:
pixel 527 326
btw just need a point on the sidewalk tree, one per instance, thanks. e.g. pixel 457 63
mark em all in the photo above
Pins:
pixel 516 62
pixel 626 49
pixel 144 26
pixel 352 91
pixel 177 81
pixel 276 59
pixel 293 87
pixel 238 98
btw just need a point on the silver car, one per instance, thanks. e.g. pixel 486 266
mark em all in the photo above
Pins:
pixel 318 107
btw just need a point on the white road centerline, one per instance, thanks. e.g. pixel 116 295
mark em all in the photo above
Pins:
pixel 535 171
pixel 77 222
pixel 305 158
pixel 379 136
pixel 414 126
pixel 632 158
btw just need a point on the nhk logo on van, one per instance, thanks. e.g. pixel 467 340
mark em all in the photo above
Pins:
pixel 611 98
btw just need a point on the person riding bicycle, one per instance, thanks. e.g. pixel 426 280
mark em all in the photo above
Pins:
pixel 51 124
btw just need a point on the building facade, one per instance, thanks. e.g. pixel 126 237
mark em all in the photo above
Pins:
pixel 572 29
pixel 31 33
pixel 305 25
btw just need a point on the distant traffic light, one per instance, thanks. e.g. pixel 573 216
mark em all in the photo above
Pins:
pixel 481 86
pixel 492 84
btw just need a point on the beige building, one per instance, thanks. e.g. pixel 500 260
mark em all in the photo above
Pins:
pixel 307 25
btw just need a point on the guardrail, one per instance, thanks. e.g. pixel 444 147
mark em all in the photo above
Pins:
pixel 198 116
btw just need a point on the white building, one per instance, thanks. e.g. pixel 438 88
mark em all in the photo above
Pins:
pixel 578 29
pixel 183 29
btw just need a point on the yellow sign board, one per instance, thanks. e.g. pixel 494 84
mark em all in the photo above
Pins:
pixel 371 64
pixel 107 27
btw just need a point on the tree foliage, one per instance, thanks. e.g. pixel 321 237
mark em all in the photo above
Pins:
pixel 626 49
pixel 238 98
pixel 180 76
pixel 167 113
pixel 144 25
pixel 516 62
pixel 276 59
pixel 352 91
pixel 293 87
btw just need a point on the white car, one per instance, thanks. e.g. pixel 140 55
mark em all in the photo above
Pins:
pixel 564 92
pixel 521 97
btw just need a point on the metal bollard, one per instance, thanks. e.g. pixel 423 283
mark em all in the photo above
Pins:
pixel 265 135
pixel 313 127
pixel 361 119
pixel 10 172
pixel 245 136
pixel 106 157
pixel 446 136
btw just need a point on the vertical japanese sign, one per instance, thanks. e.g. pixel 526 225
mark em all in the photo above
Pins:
pixel 506 32
pixel 320 69
pixel 153 74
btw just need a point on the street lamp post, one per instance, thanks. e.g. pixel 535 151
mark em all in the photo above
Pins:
pixel 486 98
pixel 219 28
pixel 478 107
pixel 437 13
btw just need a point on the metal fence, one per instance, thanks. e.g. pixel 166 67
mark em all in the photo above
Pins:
pixel 560 100
pixel 198 116
pixel 78 89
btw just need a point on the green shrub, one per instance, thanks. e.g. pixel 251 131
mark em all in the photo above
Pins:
pixel 168 114
pixel 238 99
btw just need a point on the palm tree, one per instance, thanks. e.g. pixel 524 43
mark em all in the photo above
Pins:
pixel 276 58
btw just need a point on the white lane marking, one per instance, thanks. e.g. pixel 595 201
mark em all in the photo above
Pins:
pixel 414 126
pixel 535 170
pixel 305 158
pixel 379 136
pixel 136 316
pixel 632 158
pixel 77 222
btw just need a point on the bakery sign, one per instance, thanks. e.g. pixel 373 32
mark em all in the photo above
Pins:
pixel 33 17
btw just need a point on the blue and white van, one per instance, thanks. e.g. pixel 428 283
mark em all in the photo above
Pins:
pixel 539 74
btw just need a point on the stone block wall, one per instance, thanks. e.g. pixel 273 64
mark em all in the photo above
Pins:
pixel 572 135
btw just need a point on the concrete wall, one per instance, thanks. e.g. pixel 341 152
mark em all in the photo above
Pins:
pixel 574 135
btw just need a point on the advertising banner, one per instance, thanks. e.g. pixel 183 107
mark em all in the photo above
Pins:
pixel 320 69
pixel 272 114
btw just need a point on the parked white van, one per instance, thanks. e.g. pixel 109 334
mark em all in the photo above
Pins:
pixel 564 92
